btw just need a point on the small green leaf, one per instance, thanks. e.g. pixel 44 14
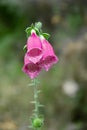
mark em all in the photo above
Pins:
pixel 37 31
pixel 33 102
pixel 31 84
pixel 24 47
pixel 32 26
pixel 40 105
pixel 28 31
pixel 34 110
pixel 39 91
pixel 46 35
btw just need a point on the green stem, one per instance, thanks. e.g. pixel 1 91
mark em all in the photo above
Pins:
pixel 36 119
pixel 36 99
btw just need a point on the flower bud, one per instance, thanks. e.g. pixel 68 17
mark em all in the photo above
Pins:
pixel 37 123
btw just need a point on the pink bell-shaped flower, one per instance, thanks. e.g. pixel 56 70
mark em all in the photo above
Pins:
pixel 49 57
pixel 34 47
pixel 31 69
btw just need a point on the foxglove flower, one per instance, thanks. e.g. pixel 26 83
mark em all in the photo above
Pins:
pixel 31 69
pixel 49 57
pixel 34 48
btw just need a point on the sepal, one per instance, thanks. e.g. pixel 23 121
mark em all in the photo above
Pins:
pixel 28 31
pixel 24 47
pixel 46 35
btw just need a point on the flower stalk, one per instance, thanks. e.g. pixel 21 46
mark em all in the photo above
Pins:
pixel 36 119
pixel 36 98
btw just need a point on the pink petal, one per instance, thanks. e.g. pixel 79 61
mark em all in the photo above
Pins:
pixel 31 69
pixel 49 57
pixel 34 48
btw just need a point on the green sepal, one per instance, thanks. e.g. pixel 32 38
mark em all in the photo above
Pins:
pixel 24 47
pixel 36 28
pixel 37 31
pixel 46 35
pixel 32 25
pixel 28 31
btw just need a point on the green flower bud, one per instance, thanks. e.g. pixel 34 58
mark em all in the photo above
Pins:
pixel 37 123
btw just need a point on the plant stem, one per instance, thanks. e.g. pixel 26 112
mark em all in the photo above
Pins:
pixel 36 118
pixel 36 110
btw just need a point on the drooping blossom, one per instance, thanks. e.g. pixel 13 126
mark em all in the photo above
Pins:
pixel 49 57
pixel 40 54
pixel 34 48
pixel 31 69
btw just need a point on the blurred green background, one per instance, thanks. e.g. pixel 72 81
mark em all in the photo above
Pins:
pixel 64 86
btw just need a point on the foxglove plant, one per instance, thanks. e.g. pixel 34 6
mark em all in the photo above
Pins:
pixel 39 55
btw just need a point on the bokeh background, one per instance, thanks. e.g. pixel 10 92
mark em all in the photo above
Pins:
pixel 64 86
